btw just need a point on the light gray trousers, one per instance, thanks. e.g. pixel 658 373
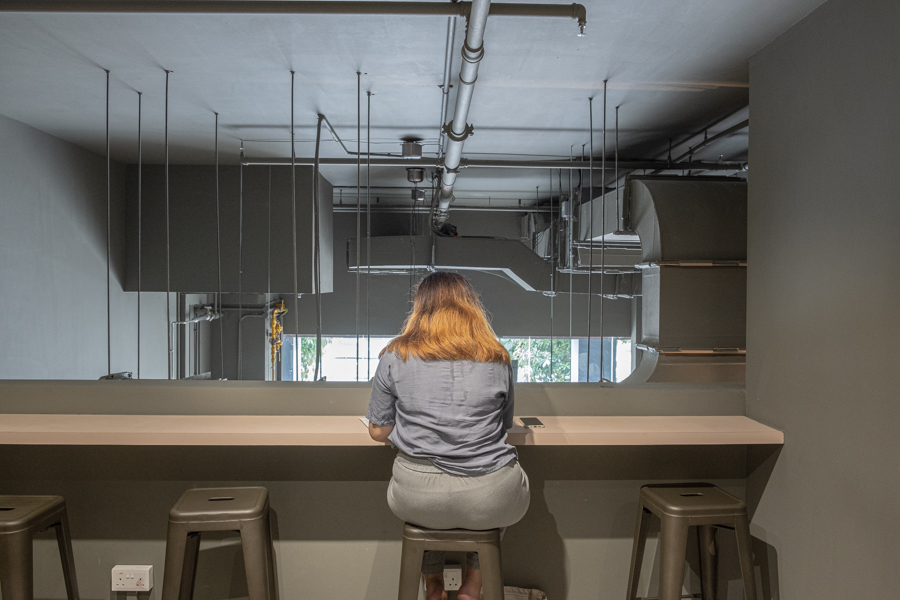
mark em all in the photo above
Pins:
pixel 424 495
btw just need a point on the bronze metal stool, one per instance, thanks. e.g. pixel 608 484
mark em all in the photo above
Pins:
pixel 680 506
pixel 21 517
pixel 417 540
pixel 242 509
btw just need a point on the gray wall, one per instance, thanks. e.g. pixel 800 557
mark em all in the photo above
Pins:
pixel 823 289
pixel 53 266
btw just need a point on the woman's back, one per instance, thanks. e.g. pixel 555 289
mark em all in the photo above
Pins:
pixel 454 413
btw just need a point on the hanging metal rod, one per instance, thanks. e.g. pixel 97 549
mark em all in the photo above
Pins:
pixel 511 164
pixel 293 7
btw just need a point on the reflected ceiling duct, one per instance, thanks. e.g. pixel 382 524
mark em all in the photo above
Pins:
pixel 509 258
pixel 693 233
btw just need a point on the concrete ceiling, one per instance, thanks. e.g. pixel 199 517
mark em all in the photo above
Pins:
pixel 673 66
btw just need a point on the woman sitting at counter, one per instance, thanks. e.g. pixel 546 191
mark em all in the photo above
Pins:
pixel 443 395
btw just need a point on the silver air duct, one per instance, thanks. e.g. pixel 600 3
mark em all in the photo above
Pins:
pixel 458 130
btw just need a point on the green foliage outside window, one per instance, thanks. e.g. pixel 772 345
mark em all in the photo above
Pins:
pixel 534 357
pixel 308 356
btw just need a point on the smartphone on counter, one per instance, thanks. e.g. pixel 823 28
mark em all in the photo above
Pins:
pixel 532 422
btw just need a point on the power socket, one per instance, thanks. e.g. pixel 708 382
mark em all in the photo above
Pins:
pixel 452 577
pixel 132 578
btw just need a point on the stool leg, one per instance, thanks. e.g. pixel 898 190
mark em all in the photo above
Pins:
pixel 706 534
pixel 64 539
pixel 745 554
pixel 182 548
pixel 672 548
pixel 491 571
pixel 410 569
pixel 17 566
pixel 637 551
pixel 189 572
pixel 257 558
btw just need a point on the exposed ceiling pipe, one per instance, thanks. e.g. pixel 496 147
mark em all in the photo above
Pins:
pixel 709 140
pixel 459 129
pixel 295 7
pixel 349 208
pixel 445 80
pixel 509 164
pixel 340 142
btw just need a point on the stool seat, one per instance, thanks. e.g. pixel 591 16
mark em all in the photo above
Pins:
pixel 220 504
pixel 679 507
pixel 418 540
pixel 21 517
pixel 242 509
pixel 692 501
pixel 455 536
pixel 27 512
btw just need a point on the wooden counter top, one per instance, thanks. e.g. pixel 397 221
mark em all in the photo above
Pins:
pixel 281 430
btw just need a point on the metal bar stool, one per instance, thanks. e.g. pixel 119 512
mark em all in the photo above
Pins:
pixel 680 506
pixel 243 509
pixel 21 517
pixel 417 540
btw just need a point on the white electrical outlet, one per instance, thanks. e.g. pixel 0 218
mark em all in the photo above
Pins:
pixel 452 577
pixel 132 578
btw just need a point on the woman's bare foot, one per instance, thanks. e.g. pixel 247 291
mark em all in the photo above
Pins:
pixel 471 586
pixel 434 587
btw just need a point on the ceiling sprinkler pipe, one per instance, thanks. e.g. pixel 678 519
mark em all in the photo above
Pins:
pixel 294 7
pixel 458 130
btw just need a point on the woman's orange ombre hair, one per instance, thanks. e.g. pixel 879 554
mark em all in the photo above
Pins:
pixel 447 322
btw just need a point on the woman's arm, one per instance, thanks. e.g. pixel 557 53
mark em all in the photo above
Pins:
pixel 382 404
pixel 380 433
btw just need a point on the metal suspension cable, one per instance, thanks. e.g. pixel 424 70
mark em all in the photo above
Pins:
pixel 297 341
pixel 241 265
pixel 168 267
pixel 139 242
pixel 602 226
pixel 269 255
pixel 368 233
pixel 618 215
pixel 358 201
pixel 552 272
pixel 317 274
pixel 108 238
pixel 219 260
pixel 590 235
pixel 569 247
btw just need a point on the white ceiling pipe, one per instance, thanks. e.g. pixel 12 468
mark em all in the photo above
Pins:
pixel 459 130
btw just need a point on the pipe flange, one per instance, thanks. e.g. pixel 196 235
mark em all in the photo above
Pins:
pixel 448 130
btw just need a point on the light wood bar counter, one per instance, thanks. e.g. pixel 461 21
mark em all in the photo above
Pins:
pixel 317 430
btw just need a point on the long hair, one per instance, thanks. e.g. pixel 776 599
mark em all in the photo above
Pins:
pixel 447 322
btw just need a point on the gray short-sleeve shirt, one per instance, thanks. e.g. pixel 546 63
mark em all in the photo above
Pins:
pixel 454 413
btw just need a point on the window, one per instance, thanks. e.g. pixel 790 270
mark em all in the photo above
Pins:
pixel 532 358
pixel 338 357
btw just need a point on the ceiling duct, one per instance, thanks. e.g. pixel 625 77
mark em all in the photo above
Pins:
pixel 693 233
pixel 509 258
